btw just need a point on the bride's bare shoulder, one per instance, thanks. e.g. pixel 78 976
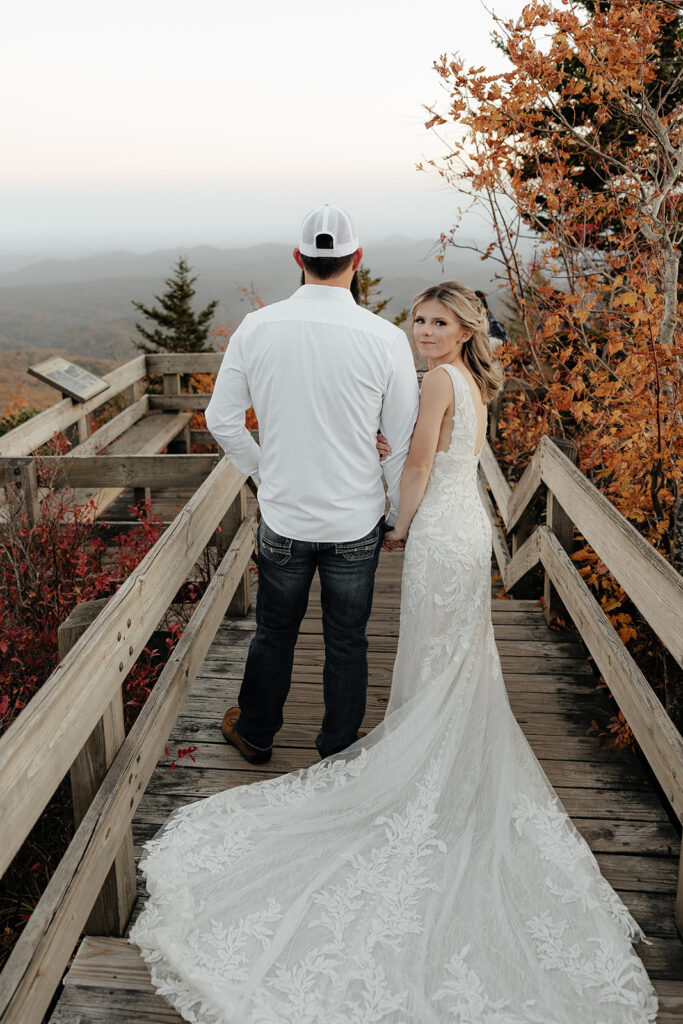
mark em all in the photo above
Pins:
pixel 436 384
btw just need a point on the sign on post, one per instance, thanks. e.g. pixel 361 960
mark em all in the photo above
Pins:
pixel 68 378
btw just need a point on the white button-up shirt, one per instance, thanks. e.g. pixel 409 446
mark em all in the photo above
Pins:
pixel 323 375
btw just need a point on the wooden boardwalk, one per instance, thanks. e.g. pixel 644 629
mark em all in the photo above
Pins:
pixel 552 691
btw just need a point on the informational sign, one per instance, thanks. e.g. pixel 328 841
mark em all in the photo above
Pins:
pixel 68 378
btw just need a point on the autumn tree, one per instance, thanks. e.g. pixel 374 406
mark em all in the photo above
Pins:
pixel 178 328
pixel 576 155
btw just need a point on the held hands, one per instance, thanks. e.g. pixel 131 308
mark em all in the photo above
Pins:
pixel 394 539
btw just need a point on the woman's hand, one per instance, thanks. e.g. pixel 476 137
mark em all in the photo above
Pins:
pixel 383 446
pixel 394 539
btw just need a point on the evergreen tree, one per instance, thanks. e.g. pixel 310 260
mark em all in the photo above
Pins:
pixel 179 328
pixel 371 295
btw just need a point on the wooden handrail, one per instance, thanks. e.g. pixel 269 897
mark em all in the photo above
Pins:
pixel 42 952
pixel 659 739
pixel 652 584
pixel 118 470
pixel 198 402
pixel 500 488
pixel 114 427
pixel 41 428
pixel 525 492
pixel 185 362
pixel 38 748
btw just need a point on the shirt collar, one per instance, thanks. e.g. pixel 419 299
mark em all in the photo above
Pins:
pixel 325 291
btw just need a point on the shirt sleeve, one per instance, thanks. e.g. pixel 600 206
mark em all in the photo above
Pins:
pixel 397 420
pixel 229 402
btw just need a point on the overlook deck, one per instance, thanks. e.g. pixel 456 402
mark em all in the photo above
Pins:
pixel 629 808
pixel 551 688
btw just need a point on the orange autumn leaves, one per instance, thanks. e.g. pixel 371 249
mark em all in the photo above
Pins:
pixel 575 157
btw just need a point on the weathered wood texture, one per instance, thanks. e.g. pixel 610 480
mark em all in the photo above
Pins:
pixel 552 693
pixel 112 907
pixel 650 581
pixel 130 469
pixel 185 362
pixel 42 952
pixel 653 585
pixel 147 436
pixel 61 716
pixel 180 401
pixel 39 429
pixel 21 487
pixel 116 426
pixel 661 742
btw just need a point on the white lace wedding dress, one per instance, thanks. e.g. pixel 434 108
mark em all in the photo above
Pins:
pixel 428 873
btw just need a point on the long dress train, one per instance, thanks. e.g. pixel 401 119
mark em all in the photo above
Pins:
pixel 428 873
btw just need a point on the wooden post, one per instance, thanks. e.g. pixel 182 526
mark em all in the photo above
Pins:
pixel 112 909
pixel 134 392
pixel 83 425
pixel 559 522
pixel 24 487
pixel 172 387
pixel 494 416
pixel 229 525
pixel 523 589
pixel 563 528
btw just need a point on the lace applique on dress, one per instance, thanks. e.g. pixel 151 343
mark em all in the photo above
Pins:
pixel 425 875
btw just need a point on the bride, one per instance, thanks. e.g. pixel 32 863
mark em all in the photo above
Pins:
pixel 428 873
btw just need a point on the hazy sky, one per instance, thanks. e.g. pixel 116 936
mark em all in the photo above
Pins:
pixel 144 123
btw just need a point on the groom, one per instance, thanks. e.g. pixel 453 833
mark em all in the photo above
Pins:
pixel 323 375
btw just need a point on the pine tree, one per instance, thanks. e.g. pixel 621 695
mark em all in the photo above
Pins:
pixel 179 328
pixel 371 294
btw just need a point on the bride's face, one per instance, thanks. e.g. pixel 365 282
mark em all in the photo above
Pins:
pixel 438 333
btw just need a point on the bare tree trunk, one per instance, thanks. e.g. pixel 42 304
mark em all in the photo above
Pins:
pixel 671 260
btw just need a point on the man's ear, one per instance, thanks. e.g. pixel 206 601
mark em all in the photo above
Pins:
pixel 296 253
pixel 357 258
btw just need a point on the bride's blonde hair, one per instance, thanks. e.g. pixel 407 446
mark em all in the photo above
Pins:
pixel 476 351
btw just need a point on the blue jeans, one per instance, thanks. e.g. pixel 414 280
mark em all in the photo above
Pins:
pixel 347 578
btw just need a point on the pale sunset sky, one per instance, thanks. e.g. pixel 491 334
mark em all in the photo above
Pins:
pixel 144 123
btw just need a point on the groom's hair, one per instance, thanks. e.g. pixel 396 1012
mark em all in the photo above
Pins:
pixel 325 267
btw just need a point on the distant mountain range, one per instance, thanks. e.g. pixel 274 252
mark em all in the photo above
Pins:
pixel 84 305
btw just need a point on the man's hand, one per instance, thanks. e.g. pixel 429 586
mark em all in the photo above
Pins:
pixel 383 446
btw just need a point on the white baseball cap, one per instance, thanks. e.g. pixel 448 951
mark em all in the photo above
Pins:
pixel 332 221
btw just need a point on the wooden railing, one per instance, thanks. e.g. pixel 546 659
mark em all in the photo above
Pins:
pixel 75 721
pixel 129 380
pixel 651 583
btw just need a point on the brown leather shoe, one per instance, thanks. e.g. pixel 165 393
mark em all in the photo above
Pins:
pixel 229 730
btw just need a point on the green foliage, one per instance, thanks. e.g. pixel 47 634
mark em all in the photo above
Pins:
pixel 371 295
pixel 179 328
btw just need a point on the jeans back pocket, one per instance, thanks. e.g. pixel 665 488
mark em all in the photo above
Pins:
pixel 361 549
pixel 272 545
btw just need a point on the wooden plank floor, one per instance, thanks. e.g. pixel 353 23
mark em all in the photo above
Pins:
pixel 552 692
